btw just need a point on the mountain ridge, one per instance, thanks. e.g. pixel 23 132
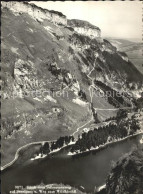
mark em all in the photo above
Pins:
pixel 36 12
pixel 43 56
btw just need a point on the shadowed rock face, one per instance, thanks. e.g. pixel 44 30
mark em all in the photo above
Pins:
pixel 126 177
pixel 132 48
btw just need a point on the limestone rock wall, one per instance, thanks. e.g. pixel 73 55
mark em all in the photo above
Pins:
pixel 36 12
pixel 85 28
pixel 92 33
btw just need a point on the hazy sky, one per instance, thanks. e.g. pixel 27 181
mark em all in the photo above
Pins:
pixel 122 19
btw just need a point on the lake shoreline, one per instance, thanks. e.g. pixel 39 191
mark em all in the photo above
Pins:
pixel 77 154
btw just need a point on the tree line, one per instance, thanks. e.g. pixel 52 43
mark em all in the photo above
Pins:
pixel 104 134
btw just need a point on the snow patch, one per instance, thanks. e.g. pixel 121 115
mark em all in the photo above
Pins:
pixel 80 102
pixel 14 50
pixel 49 29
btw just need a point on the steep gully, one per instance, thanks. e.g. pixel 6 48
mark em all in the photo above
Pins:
pixel 75 134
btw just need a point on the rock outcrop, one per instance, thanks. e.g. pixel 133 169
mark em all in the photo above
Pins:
pixel 85 28
pixel 126 177
pixel 36 12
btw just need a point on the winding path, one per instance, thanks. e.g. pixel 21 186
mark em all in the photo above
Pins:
pixel 76 131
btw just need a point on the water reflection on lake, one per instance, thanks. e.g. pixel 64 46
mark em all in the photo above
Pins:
pixel 87 170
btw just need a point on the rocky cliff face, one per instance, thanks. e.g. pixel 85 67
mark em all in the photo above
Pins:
pixel 85 28
pixel 126 177
pixel 36 12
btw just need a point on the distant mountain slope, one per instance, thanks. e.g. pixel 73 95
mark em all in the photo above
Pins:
pixel 132 49
pixel 48 72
